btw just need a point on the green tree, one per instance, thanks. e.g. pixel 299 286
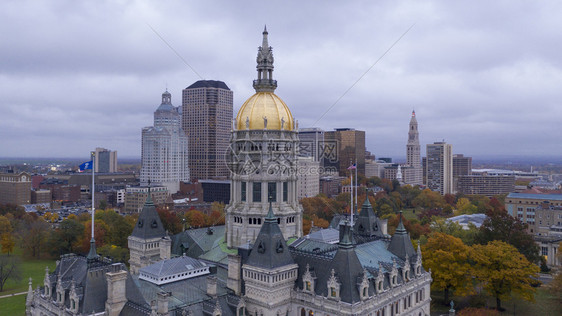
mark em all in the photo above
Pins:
pixel 118 227
pixel 448 258
pixel 502 271
pixel 442 225
pixel 64 239
pixel 118 254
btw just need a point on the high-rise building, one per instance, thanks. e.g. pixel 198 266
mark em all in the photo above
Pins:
pixel 207 121
pixel 311 143
pixel 15 188
pixel 105 161
pixel 439 167
pixel 263 161
pixel 164 148
pixel 308 171
pixel 462 166
pixel 350 148
pixel 413 159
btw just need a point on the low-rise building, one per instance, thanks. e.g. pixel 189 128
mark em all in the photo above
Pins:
pixel 523 206
pixel 135 197
pixel 484 184
pixel 15 188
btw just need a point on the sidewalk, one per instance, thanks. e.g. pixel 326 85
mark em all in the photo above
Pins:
pixel 14 294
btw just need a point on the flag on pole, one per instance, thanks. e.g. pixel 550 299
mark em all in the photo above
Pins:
pixel 353 166
pixel 86 165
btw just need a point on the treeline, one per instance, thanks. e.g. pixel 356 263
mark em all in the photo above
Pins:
pixel 45 237
pixel 499 257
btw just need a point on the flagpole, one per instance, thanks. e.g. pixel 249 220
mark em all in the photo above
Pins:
pixel 93 189
pixel 356 188
pixel 351 195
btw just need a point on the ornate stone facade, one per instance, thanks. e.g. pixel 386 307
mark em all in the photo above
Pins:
pixel 262 159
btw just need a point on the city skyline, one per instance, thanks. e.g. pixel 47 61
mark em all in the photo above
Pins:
pixel 90 75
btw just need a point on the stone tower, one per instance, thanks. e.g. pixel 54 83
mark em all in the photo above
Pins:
pixel 262 159
pixel 270 272
pixel 413 158
pixel 148 243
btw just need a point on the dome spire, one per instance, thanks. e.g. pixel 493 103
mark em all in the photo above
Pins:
pixel 265 82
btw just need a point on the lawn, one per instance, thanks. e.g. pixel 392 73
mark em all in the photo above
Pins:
pixel 13 306
pixel 29 268
pixel 545 304
pixel 408 213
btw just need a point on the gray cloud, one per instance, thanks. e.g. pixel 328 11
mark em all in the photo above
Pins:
pixel 483 76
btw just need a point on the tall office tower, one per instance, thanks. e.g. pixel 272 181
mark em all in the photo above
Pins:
pixel 462 166
pixel 350 148
pixel 263 161
pixel 164 148
pixel 207 121
pixel 106 160
pixel 311 143
pixel 414 174
pixel 439 167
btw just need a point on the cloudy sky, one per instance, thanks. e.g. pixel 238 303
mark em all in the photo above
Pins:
pixel 485 76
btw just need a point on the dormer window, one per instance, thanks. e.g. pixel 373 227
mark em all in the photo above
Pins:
pixel 308 280
pixel 261 247
pixel 364 286
pixel 279 247
pixel 333 286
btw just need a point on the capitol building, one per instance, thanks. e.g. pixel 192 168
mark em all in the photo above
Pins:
pixel 259 263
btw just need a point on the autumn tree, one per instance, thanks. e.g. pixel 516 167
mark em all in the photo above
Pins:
pixel 503 271
pixel 499 225
pixel 448 258
pixel 195 218
pixel 32 235
pixel 7 241
pixel 170 220
pixel 429 199
pixel 100 234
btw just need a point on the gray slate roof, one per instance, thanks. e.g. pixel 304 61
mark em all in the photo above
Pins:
pixel 367 223
pixel 169 267
pixel 400 243
pixel 149 224
pixel 91 283
pixel 344 261
pixel 270 249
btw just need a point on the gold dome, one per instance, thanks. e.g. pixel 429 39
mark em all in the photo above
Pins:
pixel 268 105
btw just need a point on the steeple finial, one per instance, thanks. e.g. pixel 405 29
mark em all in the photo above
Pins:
pixel 265 82
pixel 270 217
pixel 413 113
pixel 400 229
